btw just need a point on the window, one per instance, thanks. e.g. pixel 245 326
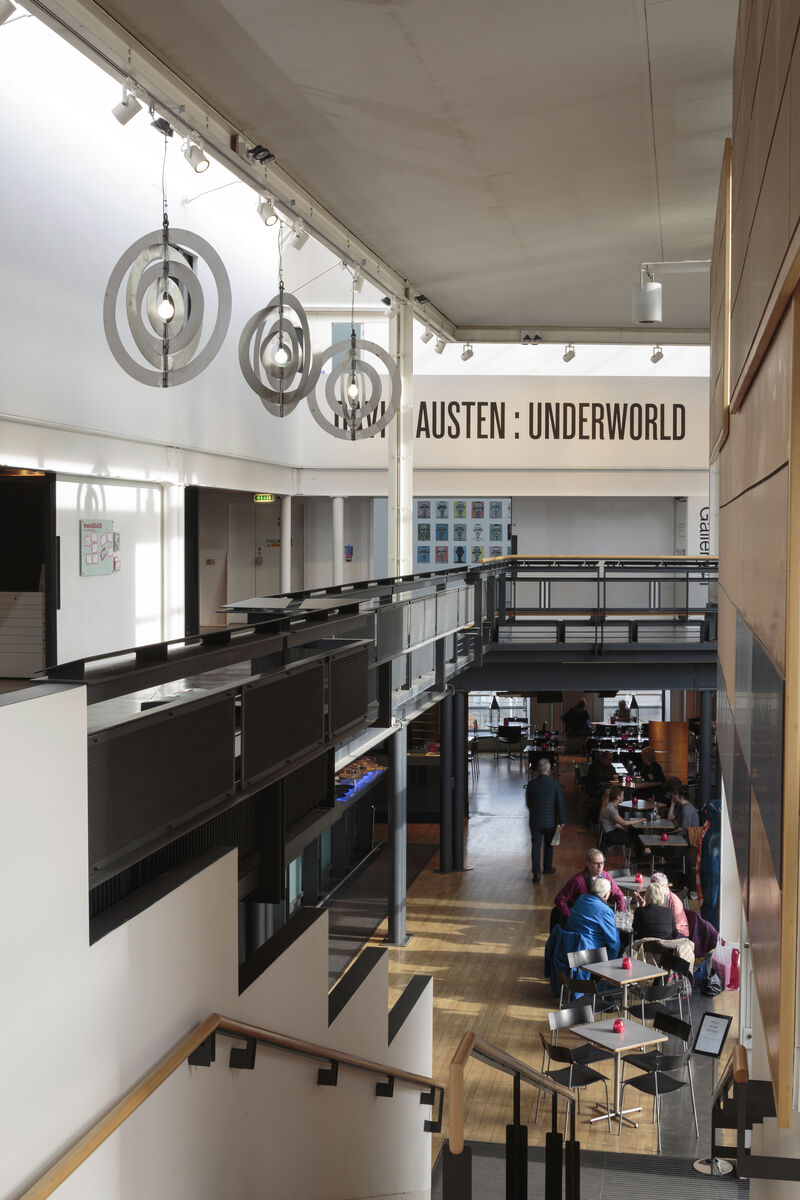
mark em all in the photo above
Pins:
pixel 511 708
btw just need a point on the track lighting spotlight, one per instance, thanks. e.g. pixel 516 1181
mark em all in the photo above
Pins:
pixel 440 345
pixel 467 353
pixel 427 335
pixel 266 210
pixel 193 153
pixel 128 106
pixel 657 354
pixel 300 236
pixel 7 9
pixel 569 353
pixel 647 299
pixel 531 339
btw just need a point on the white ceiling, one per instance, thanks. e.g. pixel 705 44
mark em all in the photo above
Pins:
pixel 516 160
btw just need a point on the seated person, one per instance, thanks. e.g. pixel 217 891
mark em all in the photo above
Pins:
pixel 615 829
pixel 597 778
pixel 655 918
pixel 682 811
pixel 674 902
pixel 651 772
pixel 622 712
pixel 579 885
pixel 590 925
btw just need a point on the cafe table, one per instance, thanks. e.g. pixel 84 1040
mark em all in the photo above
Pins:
pixel 612 971
pixel 634 1037
pixel 640 806
pixel 627 883
pixel 654 841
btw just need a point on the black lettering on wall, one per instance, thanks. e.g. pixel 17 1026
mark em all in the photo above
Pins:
pixel 453 429
pixel 678 422
pixel 617 415
pixel 535 420
pixel 437 419
pixel 552 420
pixel 635 422
pixel 597 423
pixel 423 428
pixel 568 422
pixel 650 422
pixel 583 421
pixel 498 421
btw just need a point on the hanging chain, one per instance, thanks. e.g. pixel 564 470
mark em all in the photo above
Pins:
pixel 165 275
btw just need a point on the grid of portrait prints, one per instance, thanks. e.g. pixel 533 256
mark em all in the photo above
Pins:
pixel 453 532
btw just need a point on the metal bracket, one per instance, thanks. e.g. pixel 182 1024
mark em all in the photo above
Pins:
pixel 434 1125
pixel 328 1077
pixel 385 1089
pixel 204 1054
pixel 243 1058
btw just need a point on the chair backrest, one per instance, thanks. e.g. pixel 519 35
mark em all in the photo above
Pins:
pixel 617 873
pixel 666 1023
pixel 581 987
pixel 583 958
pixel 670 1062
pixel 557 1053
pixel 509 733
pixel 659 991
pixel 565 1018
pixel 674 962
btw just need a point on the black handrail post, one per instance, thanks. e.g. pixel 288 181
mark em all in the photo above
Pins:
pixel 572 1161
pixel 553 1158
pixel 459 777
pixel 456 1174
pixel 516 1152
pixel 446 785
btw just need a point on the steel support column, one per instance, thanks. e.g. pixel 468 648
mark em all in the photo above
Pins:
pixel 446 785
pixel 705 748
pixel 401 447
pixel 398 750
pixel 337 560
pixel 459 777
pixel 286 544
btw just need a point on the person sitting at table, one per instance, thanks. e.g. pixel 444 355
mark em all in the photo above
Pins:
pixel 615 830
pixel 590 925
pixel 655 918
pixel 580 884
pixel 651 771
pixel 682 811
pixel 622 713
pixel 600 774
pixel 674 902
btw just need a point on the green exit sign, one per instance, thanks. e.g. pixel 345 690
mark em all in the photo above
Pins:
pixel 263 498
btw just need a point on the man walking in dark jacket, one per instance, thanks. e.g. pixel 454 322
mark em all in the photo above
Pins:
pixel 545 802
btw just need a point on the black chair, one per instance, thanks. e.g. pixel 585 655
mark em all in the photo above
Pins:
pixel 602 999
pixel 659 1079
pixel 510 735
pixel 574 1074
pixel 566 1018
pixel 652 997
pixel 685 973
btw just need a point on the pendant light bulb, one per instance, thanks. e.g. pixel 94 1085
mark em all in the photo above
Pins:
pixel 281 356
pixel 352 388
pixel 166 307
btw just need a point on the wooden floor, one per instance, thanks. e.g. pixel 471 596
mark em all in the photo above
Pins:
pixel 481 935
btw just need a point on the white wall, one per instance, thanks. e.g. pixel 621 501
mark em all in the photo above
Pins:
pixel 577 525
pixel 318 541
pixel 103 613
pixel 89 1021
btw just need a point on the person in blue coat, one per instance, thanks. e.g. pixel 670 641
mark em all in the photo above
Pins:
pixel 590 925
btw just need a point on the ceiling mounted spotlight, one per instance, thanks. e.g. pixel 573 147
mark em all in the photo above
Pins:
pixel 440 345
pixel 128 106
pixel 646 305
pixel 657 354
pixel 300 236
pixel 427 335
pixel 531 339
pixel 569 353
pixel 266 210
pixel 261 154
pixel 467 353
pixel 193 153
pixel 7 9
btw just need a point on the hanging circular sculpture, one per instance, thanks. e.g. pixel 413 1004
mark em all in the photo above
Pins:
pixel 357 415
pixel 276 363
pixel 162 281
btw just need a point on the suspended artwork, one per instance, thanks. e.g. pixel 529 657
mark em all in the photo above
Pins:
pixel 352 404
pixel 276 358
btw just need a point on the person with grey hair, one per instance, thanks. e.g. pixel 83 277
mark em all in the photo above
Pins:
pixel 655 919
pixel 592 917
pixel 545 802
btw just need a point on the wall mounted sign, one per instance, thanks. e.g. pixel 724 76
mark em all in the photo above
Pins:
pixel 99 547
pixel 264 498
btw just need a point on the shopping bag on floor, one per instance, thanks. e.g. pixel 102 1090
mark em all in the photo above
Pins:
pixel 556 837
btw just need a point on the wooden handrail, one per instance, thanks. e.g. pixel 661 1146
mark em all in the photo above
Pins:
pixel 472 1046
pixel 741 1071
pixel 84 1147
pixel 726 1075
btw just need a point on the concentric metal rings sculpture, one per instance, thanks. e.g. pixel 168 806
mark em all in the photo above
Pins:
pixel 280 381
pixel 357 417
pixel 170 345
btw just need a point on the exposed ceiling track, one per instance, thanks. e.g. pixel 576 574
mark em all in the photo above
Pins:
pixel 91 31
pixel 583 335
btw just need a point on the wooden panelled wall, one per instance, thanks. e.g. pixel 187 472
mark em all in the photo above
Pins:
pixel 759 496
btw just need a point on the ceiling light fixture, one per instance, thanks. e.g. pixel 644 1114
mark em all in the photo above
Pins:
pixel 300 236
pixel 128 106
pixel 531 339
pixel 646 306
pixel 193 153
pixel 266 210
pixel 569 352
pixel 427 335
pixel 657 354
pixel 467 353
pixel 440 345
pixel 358 279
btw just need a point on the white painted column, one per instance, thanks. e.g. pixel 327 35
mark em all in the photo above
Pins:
pixel 173 593
pixel 401 448
pixel 338 540
pixel 286 544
